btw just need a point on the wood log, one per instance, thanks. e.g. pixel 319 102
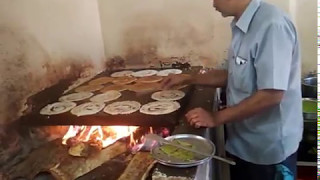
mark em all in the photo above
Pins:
pixel 72 168
pixel 137 167
pixel 55 159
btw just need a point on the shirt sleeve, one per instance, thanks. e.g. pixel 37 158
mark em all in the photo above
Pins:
pixel 274 57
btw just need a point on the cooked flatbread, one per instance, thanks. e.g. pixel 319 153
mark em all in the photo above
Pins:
pixel 113 87
pixel 144 73
pixel 89 88
pixel 144 87
pixel 124 80
pixel 88 108
pixel 101 80
pixel 160 107
pixel 166 72
pixel 57 108
pixel 149 79
pixel 106 97
pixel 168 95
pixel 76 96
pixel 122 107
pixel 121 73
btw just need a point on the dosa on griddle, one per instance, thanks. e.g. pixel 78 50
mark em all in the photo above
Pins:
pixel 149 79
pixel 89 88
pixel 115 87
pixel 101 80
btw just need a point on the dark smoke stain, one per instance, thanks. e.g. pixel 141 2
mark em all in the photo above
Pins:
pixel 143 41
pixel 24 81
pixel 22 75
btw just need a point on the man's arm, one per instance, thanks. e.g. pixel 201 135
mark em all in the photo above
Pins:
pixel 259 102
pixel 215 78
pixel 253 105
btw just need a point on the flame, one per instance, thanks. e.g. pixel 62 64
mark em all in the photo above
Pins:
pixel 106 135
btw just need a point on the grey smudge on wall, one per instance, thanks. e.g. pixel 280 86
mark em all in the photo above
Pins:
pixel 145 37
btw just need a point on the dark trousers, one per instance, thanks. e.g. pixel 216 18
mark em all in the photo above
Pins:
pixel 244 170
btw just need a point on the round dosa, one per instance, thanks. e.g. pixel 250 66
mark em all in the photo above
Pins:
pixel 87 108
pixel 76 96
pixel 124 80
pixel 113 87
pixel 89 88
pixel 101 80
pixel 149 79
pixel 143 87
pixel 57 108
pixel 160 107
pixel 168 95
pixel 122 107
pixel 144 73
pixel 121 73
pixel 166 72
pixel 106 97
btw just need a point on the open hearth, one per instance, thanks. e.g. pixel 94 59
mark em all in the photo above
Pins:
pixel 90 151
pixel 56 160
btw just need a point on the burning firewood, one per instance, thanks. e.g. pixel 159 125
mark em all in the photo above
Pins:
pixel 55 159
pixel 79 150
pixel 137 166
pixel 74 168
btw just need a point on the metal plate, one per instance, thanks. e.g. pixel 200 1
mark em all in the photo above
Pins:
pixel 200 144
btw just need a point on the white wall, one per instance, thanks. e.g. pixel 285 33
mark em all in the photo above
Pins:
pixel 306 18
pixel 42 42
pixel 304 15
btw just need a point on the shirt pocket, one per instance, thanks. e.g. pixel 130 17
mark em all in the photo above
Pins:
pixel 243 74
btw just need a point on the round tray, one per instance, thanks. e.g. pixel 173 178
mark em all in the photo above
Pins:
pixel 199 144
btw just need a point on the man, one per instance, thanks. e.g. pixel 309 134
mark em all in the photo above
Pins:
pixel 264 115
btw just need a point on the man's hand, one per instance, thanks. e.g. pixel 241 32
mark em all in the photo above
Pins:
pixel 175 80
pixel 199 117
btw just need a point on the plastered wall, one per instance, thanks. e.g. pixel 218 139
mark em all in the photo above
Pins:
pixel 42 42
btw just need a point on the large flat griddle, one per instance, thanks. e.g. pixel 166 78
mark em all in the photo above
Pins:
pixel 34 118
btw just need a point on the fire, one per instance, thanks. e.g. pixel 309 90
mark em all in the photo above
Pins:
pixel 106 135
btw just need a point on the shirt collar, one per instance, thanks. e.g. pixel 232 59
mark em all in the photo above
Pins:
pixel 246 17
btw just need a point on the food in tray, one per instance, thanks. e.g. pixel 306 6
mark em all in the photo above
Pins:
pixel 121 73
pixel 144 73
pixel 76 96
pixel 122 107
pixel 106 96
pixel 309 106
pixel 89 88
pixel 88 108
pixel 124 80
pixel 57 108
pixel 160 107
pixel 149 79
pixel 101 80
pixel 144 87
pixel 116 87
pixel 168 95
pixel 177 152
pixel 166 72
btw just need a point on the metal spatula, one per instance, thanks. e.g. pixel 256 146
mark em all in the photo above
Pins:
pixel 161 140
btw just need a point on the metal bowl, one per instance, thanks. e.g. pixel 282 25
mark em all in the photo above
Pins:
pixel 310 115
pixel 309 87
pixel 200 144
